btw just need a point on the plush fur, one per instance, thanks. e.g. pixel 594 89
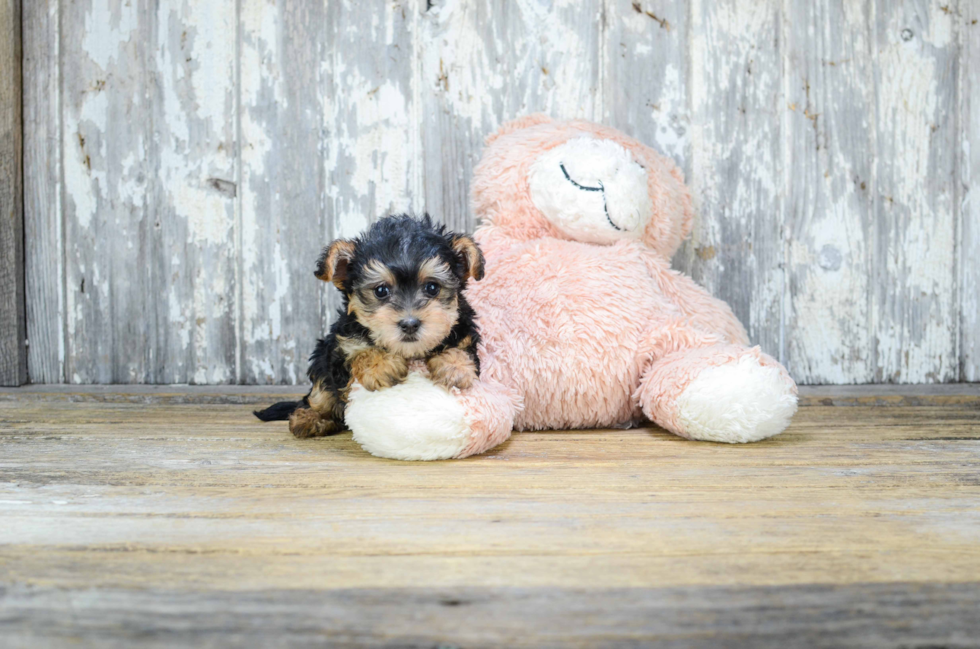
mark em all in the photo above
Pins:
pixel 402 285
pixel 583 322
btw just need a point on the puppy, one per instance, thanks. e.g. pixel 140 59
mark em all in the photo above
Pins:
pixel 402 284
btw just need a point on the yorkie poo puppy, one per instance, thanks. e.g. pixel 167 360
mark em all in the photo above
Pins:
pixel 402 285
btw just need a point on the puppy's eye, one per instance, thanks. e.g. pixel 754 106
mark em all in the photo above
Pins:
pixel 381 292
pixel 431 289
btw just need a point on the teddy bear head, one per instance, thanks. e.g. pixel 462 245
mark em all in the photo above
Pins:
pixel 580 181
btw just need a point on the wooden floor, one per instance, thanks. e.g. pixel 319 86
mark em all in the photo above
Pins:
pixel 163 518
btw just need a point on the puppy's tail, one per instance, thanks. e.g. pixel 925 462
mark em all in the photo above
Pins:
pixel 278 411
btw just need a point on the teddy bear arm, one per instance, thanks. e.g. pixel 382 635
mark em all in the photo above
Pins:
pixel 420 420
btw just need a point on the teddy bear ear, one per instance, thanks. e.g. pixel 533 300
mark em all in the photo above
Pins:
pixel 518 124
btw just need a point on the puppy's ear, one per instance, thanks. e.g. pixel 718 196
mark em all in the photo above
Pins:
pixel 469 255
pixel 333 262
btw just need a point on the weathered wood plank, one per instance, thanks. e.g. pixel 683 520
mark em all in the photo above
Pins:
pixel 106 138
pixel 13 331
pixel 847 495
pixel 285 84
pixel 830 117
pixel 191 274
pixel 645 74
pixel 43 241
pixel 373 113
pixel 915 319
pixel 968 239
pixel 179 522
pixel 486 62
pixel 842 232
pixel 736 161
pixel 859 615
pixel 149 143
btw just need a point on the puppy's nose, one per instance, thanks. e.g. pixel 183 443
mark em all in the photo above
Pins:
pixel 409 325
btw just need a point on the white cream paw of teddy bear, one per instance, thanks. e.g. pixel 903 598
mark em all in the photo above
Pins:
pixel 738 402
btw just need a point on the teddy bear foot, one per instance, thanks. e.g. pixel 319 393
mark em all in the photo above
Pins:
pixel 737 402
pixel 419 420
pixel 722 393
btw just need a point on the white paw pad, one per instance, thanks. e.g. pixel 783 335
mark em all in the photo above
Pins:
pixel 414 420
pixel 736 402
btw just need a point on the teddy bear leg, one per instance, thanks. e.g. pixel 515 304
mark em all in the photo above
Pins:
pixel 419 420
pixel 719 393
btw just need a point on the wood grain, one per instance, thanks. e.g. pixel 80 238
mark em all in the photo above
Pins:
pixel 108 205
pixel 736 161
pixel 185 163
pixel 646 76
pixel 43 237
pixel 191 303
pixel 829 113
pixel 286 90
pixel 487 62
pixel 866 615
pixel 13 332
pixel 176 520
pixel 968 207
pixel 915 321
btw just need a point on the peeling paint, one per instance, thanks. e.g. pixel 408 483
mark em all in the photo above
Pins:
pixel 817 136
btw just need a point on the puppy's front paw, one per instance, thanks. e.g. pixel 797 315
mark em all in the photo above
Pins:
pixel 376 369
pixel 452 368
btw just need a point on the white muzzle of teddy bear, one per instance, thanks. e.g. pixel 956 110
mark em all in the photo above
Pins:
pixel 592 190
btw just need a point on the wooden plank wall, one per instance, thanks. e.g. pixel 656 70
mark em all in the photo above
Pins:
pixel 185 162
pixel 13 334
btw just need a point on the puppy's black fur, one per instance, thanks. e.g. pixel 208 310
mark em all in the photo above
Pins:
pixel 402 284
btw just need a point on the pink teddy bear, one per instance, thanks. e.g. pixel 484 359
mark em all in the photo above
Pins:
pixel 583 322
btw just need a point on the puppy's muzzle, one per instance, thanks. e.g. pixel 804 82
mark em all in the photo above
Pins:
pixel 409 326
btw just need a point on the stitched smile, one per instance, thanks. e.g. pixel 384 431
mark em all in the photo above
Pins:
pixel 586 188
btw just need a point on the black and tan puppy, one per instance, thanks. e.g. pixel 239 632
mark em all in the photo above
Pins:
pixel 402 284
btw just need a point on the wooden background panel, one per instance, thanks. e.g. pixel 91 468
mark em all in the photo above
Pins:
pixel 735 88
pixel 186 163
pixel 149 163
pixel 830 187
pixel 645 74
pixel 106 135
pixel 969 198
pixel 13 353
pixel 43 251
pixel 487 62
pixel 914 275
pixel 189 226
pixel 284 85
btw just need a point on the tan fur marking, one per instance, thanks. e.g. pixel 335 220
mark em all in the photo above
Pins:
pixel 321 401
pixel 435 270
pixel 466 343
pixel 305 423
pixel 465 246
pixel 376 369
pixel 375 273
pixel 350 346
pixel 356 307
pixel 334 267
pixel 453 368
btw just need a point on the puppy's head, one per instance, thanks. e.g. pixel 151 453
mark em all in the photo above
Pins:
pixel 402 279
